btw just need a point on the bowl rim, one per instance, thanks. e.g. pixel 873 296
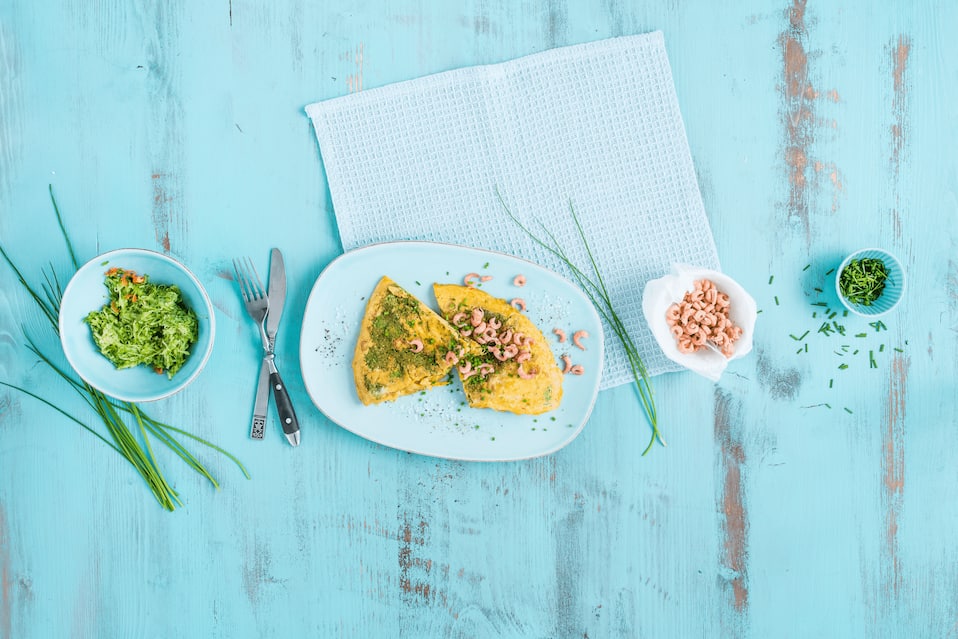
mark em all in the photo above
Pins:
pixel 855 308
pixel 206 302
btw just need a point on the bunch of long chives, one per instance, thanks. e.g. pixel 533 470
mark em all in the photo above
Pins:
pixel 595 289
pixel 112 413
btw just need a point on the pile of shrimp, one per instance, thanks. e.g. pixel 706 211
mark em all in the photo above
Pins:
pixel 703 317
pixel 502 342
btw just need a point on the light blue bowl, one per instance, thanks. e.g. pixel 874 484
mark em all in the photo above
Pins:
pixel 86 292
pixel 894 285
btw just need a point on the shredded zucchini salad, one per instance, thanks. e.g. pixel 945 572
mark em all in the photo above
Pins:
pixel 143 323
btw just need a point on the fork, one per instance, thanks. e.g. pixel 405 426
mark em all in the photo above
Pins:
pixel 257 306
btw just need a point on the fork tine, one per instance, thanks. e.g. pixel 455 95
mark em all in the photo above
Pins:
pixel 258 289
pixel 240 280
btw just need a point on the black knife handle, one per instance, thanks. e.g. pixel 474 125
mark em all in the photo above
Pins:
pixel 287 416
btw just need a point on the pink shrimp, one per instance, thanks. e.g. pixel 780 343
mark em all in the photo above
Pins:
pixel 466 367
pixel 505 336
pixel 523 356
pixel 568 363
pixel 518 303
pixel 510 351
pixel 485 278
pixel 527 375
pixel 451 358
pixel 518 339
pixel 577 338
pixel 458 319
pixel 498 353
pixel 416 345
pixel 560 334
pixel 485 369
pixel 480 327
pixel 494 322
pixel 476 316
pixel 470 278
pixel 519 280
pixel 578 369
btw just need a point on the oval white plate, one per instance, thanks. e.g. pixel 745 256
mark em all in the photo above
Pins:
pixel 438 422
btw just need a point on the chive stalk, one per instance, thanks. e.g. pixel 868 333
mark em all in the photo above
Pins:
pixel 110 412
pixel 595 289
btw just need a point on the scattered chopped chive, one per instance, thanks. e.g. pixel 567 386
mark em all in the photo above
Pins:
pixel 771 278
pixel 797 339
pixel 814 315
pixel 828 405
pixel 845 313
pixel 848 410
pixel 871 359
pixel 104 262
pixel 418 283
pixel 798 351
pixel 898 350
pixel 758 311
pixel 839 353
pixel 818 290
pixel 829 271
pixel 552 418
pixel 845 347
pixel 807 266
pixel 820 304
pixel 803 335
pixel 832 315
pixel 806 347
pixel 881 349
pixel 830 382
pixel 486 265
pixel 843 367
pixel 861 335
pixel 856 352
pixel 776 300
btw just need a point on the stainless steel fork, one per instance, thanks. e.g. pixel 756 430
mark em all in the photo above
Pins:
pixel 257 306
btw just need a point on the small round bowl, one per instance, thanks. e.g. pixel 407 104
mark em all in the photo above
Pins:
pixel 894 285
pixel 87 292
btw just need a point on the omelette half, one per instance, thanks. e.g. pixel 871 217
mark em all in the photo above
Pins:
pixel 513 369
pixel 402 346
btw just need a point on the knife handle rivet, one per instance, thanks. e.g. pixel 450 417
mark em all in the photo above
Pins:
pixel 289 421
pixel 279 387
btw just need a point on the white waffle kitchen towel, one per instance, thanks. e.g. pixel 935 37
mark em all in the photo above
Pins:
pixel 597 125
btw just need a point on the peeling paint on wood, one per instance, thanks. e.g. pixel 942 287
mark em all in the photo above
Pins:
pixel 893 476
pixel 732 506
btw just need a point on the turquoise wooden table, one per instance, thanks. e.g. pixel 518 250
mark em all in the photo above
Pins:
pixel 795 498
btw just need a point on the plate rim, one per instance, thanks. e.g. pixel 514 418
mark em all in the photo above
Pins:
pixel 545 452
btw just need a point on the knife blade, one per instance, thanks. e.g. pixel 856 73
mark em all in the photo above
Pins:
pixel 276 291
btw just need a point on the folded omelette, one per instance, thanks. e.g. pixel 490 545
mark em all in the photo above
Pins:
pixel 403 346
pixel 513 368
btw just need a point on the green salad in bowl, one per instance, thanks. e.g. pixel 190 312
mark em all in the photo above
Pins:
pixel 143 323
pixel 136 324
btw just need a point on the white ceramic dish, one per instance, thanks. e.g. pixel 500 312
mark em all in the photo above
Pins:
pixel 86 292
pixel 438 422
pixel 661 293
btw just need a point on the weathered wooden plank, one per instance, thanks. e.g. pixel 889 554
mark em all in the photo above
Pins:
pixel 815 128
